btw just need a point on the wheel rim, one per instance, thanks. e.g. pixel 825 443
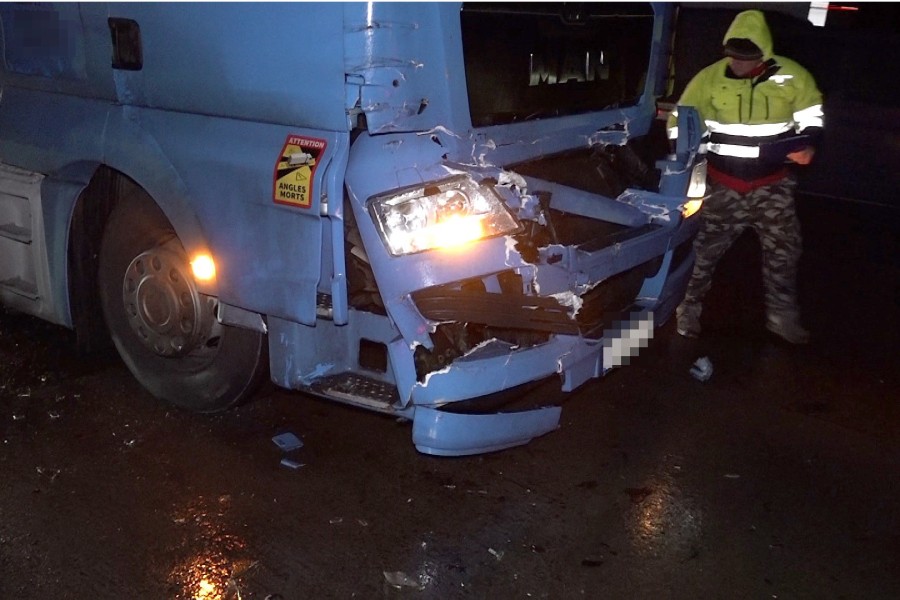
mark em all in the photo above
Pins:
pixel 162 304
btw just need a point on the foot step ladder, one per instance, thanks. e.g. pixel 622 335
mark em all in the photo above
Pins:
pixel 352 388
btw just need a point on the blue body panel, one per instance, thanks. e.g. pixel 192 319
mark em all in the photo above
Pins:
pixel 452 434
pixel 227 91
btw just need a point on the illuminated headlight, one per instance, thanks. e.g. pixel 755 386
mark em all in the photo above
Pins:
pixel 696 190
pixel 440 215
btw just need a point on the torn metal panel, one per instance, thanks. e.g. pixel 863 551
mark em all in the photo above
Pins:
pixel 616 135
pixel 393 64
pixel 657 206
pixel 493 366
pixel 587 204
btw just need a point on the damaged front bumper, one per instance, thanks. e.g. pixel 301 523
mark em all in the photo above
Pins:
pixel 576 292
pixel 564 280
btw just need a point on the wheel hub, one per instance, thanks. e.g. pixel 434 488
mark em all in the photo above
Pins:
pixel 163 306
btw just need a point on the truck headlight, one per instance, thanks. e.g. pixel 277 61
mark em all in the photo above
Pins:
pixel 440 215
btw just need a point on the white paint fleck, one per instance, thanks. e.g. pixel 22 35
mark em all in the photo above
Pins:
pixel 570 299
pixel 320 370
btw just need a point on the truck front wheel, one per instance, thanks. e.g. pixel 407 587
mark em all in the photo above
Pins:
pixel 165 330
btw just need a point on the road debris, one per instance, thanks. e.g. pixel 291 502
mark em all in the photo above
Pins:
pixel 702 369
pixel 399 579
pixel 51 473
pixel 287 442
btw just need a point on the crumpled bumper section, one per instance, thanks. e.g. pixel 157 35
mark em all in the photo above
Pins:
pixel 445 433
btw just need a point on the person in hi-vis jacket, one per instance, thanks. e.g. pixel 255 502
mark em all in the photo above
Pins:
pixel 763 113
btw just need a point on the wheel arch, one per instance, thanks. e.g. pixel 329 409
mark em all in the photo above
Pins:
pixel 105 185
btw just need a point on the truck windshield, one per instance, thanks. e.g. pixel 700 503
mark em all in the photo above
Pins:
pixel 538 60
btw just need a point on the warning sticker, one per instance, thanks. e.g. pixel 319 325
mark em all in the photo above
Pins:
pixel 295 169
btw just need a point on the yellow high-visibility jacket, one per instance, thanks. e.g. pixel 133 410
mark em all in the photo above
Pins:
pixel 741 113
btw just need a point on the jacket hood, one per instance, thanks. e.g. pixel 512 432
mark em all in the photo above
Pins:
pixel 751 24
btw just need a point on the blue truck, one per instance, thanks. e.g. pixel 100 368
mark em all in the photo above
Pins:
pixel 407 207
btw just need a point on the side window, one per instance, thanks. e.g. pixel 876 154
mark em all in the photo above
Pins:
pixel 43 40
pixel 126 44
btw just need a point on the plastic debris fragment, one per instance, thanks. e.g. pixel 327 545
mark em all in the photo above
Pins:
pixel 291 464
pixel 702 369
pixel 287 442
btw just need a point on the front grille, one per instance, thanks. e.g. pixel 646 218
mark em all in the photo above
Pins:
pixel 469 302
pixel 535 60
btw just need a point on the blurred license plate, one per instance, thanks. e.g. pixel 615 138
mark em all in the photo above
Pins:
pixel 625 339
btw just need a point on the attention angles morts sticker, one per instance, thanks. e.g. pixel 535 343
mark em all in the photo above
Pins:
pixel 295 170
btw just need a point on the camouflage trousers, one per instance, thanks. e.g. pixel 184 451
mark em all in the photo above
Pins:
pixel 770 212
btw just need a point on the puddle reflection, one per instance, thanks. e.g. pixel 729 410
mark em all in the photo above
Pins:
pixel 218 558
pixel 663 520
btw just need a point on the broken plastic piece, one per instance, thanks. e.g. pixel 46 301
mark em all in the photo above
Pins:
pixel 291 464
pixel 287 442
pixel 702 369
pixel 442 433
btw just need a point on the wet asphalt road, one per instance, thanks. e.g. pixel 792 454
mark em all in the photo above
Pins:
pixel 778 478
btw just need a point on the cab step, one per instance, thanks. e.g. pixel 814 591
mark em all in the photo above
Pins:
pixel 359 390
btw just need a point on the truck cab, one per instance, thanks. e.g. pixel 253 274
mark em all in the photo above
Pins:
pixel 407 207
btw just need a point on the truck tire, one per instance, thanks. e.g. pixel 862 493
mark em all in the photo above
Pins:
pixel 166 331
